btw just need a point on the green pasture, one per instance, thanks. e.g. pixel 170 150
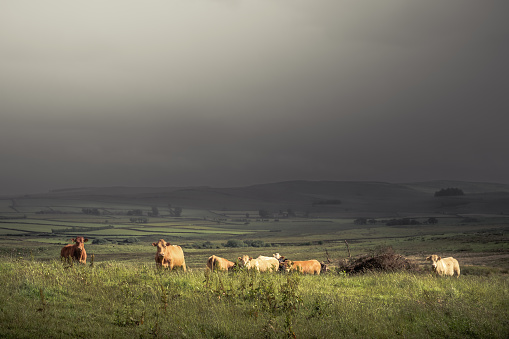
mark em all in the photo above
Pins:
pixel 115 299
pixel 30 227
pixel 116 232
pixel 6 231
pixel 193 230
pixel 298 238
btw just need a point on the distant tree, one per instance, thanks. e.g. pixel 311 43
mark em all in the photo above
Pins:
pixel 99 241
pixel 258 243
pixel 432 220
pixel 449 192
pixel 176 212
pixel 234 243
pixel 155 211
pixel 360 221
pixel 327 202
pixel 263 213
pixel 135 212
pixel 291 213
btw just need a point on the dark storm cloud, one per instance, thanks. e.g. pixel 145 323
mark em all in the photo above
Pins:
pixel 228 92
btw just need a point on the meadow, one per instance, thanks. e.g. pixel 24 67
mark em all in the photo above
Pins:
pixel 115 299
pixel 120 293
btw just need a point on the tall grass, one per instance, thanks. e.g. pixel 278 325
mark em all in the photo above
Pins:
pixel 112 299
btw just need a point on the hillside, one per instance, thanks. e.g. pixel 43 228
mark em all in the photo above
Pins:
pixel 335 198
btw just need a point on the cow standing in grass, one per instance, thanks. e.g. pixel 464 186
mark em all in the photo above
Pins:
pixel 169 255
pixel 261 264
pixel 75 251
pixel 217 263
pixel 444 266
pixel 306 267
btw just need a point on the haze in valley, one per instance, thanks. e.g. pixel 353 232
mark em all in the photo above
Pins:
pixel 231 93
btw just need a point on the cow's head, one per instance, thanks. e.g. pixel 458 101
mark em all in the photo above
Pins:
pixel 279 257
pixel 287 265
pixel 244 260
pixel 79 243
pixel 433 258
pixel 161 247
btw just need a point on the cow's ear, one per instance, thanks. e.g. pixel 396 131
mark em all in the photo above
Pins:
pixel 154 244
pixel 428 258
pixel 168 244
pixel 86 239
pixel 73 240
pixel 439 258
pixel 250 258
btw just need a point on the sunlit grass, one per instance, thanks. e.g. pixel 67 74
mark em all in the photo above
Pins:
pixel 114 299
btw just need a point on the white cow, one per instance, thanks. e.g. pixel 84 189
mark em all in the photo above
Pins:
pixel 444 266
pixel 261 264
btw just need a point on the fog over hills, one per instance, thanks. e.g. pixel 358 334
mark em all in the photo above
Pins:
pixel 336 198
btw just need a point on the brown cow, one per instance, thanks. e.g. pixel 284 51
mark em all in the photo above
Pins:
pixel 261 264
pixel 75 251
pixel 220 264
pixel 169 255
pixel 306 267
pixel 444 266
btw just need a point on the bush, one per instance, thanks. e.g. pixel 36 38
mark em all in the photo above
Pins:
pixel 204 245
pixel 234 243
pixel 132 240
pixel 381 260
pixel 254 243
pixel 449 192
pixel 100 241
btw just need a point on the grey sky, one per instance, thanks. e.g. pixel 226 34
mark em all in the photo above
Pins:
pixel 227 93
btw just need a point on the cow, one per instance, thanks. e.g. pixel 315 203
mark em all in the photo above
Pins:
pixel 75 251
pixel 169 255
pixel 279 257
pixel 444 266
pixel 281 260
pixel 261 264
pixel 306 267
pixel 218 263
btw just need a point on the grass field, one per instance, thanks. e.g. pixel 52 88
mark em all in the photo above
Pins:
pixel 123 295
pixel 114 299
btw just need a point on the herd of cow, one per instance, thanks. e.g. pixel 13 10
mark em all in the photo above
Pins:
pixel 170 256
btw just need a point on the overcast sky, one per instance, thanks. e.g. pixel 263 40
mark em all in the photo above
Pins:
pixel 229 93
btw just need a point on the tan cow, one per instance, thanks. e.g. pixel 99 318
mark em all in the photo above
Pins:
pixel 306 267
pixel 261 264
pixel 75 251
pixel 444 266
pixel 218 263
pixel 169 255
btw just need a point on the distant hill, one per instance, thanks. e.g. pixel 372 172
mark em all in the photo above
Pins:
pixel 320 198
pixel 467 187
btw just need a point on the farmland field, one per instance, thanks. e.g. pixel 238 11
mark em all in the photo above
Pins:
pixel 121 294
pixel 299 237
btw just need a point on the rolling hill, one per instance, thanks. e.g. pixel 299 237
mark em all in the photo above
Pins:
pixel 334 198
